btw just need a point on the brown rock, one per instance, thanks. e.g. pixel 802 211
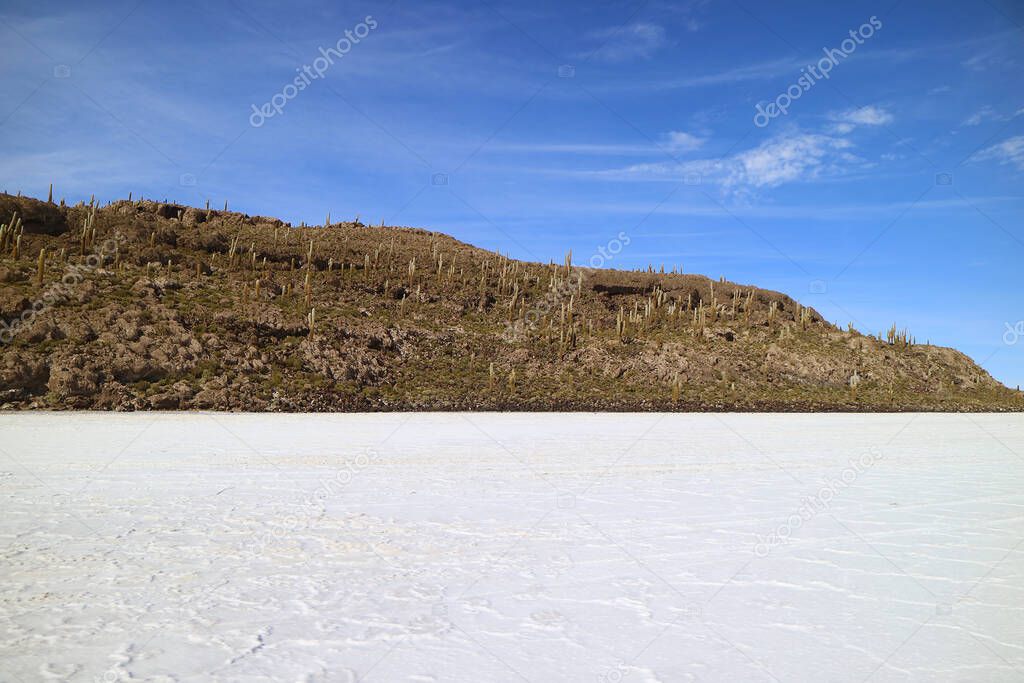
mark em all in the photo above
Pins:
pixel 39 217
pixel 73 376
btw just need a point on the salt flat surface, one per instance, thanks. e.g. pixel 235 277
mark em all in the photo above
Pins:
pixel 482 547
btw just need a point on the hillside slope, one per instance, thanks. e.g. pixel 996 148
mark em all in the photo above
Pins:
pixel 141 305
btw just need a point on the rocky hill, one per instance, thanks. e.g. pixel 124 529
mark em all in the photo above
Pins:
pixel 142 305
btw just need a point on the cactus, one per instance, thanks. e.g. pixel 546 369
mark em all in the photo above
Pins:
pixel 41 267
pixel 899 337
pixel 804 317
pixel 10 233
pixel 700 320
pixel 310 321
pixel 676 388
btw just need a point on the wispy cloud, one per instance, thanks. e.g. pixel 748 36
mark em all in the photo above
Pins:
pixel 627 43
pixel 689 13
pixel 751 72
pixel 583 148
pixel 788 158
pixel 980 116
pixel 993 56
pixel 987 113
pixel 816 212
pixel 671 142
pixel 790 67
pixel 1010 151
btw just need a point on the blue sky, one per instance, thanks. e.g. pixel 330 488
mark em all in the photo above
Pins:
pixel 889 191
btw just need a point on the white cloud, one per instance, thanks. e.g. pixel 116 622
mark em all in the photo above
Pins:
pixel 979 116
pixel 789 158
pixel 993 56
pixel 637 41
pixel 864 116
pixel 786 159
pixel 987 113
pixel 752 72
pixel 687 13
pixel 673 141
pixel 658 171
pixel 976 118
pixel 870 116
pixel 580 148
pixel 1010 151
pixel 679 141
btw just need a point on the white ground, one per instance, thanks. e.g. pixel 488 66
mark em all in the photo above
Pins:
pixel 429 547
